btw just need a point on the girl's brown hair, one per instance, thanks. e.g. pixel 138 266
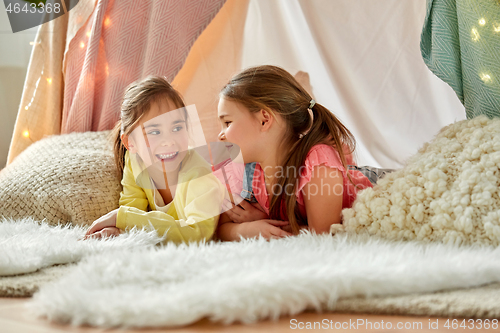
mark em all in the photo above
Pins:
pixel 136 103
pixel 273 89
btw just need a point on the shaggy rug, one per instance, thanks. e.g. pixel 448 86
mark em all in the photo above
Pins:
pixel 480 302
pixel 148 286
pixel 447 192
pixel 128 282
pixel 27 246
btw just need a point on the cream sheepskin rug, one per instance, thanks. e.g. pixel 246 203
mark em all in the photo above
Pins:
pixel 253 279
pixel 447 192
pixel 26 245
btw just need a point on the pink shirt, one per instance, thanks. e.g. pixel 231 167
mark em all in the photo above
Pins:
pixel 318 155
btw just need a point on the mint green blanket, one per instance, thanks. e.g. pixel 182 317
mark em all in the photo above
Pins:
pixel 460 43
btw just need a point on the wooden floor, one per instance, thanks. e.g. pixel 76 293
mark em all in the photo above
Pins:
pixel 14 318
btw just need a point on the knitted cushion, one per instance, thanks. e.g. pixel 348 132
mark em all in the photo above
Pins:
pixel 67 178
pixel 448 191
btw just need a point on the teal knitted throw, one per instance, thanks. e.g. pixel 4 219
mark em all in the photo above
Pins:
pixel 460 43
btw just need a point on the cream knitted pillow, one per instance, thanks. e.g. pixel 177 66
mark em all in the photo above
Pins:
pixel 448 191
pixel 67 178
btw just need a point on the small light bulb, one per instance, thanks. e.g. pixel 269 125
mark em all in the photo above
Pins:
pixel 485 77
pixel 497 28
pixel 475 35
pixel 32 43
pixel 88 33
pixel 26 134
pixel 49 80
pixel 26 108
pixel 107 22
pixel 482 21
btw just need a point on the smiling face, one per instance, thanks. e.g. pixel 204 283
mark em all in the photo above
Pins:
pixel 240 127
pixel 161 137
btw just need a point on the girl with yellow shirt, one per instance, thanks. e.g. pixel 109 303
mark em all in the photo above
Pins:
pixel 166 186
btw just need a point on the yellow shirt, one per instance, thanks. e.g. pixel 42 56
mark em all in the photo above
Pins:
pixel 194 212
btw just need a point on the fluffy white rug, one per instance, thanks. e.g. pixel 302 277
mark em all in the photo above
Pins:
pixel 253 279
pixel 26 245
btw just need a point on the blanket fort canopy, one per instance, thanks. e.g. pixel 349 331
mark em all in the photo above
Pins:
pixel 82 62
pixel 363 60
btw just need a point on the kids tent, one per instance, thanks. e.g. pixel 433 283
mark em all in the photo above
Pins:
pixel 360 59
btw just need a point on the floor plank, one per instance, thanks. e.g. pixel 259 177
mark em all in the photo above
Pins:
pixel 16 318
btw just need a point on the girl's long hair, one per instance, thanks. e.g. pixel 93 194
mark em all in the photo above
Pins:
pixel 136 103
pixel 273 89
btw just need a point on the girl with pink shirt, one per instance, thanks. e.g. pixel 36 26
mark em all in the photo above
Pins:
pixel 301 176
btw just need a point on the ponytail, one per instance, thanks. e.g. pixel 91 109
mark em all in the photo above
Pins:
pixel 326 129
pixel 273 89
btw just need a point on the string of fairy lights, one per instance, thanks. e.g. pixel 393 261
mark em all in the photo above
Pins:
pixel 486 77
pixel 26 132
pixel 82 44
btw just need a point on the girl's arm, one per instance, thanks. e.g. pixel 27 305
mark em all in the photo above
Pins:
pixel 197 203
pixel 227 230
pixel 196 208
pixel 323 198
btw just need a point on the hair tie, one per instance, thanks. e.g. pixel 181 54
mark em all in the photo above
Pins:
pixel 312 103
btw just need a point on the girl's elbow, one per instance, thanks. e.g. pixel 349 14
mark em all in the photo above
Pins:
pixel 320 229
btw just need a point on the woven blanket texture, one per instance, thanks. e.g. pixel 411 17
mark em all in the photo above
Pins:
pixel 460 43
pixel 67 178
pixel 448 192
pixel 25 285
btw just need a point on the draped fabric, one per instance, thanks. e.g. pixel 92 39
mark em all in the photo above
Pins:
pixel 122 42
pixel 82 62
pixel 362 59
pixel 461 45
pixel 40 108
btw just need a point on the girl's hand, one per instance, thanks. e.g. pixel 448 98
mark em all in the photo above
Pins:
pixel 288 228
pixel 245 212
pixel 269 229
pixel 105 221
pixel 106 232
